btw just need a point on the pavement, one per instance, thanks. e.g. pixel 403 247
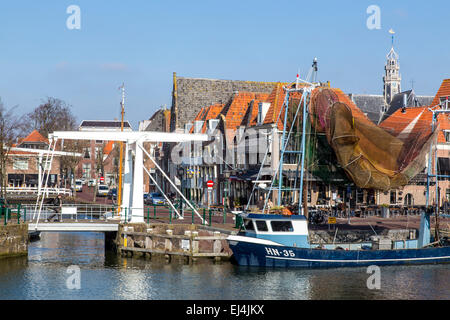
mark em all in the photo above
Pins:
pixel 87 195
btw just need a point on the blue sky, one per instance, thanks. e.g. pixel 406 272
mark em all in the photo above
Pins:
pixel 142 43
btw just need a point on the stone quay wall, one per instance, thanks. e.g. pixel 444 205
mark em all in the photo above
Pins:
pixel 13 240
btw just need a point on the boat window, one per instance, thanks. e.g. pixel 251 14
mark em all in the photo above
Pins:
pixel 261 225
pixel 282 226
pixel 248 224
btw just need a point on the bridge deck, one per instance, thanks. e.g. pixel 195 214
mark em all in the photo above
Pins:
pixel 73 227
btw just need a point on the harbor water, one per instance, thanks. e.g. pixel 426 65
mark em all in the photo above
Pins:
pixel 45 274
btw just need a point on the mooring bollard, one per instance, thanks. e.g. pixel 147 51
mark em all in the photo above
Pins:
pixel 18 213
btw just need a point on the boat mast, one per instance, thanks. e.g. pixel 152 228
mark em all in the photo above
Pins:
pixel 119 191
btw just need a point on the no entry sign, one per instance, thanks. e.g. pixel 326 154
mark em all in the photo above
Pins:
pixel 210 184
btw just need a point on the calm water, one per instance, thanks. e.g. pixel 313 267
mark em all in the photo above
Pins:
pixel 43 275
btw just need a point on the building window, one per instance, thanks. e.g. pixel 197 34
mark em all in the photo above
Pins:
pixel 44 163
pixel 447 136
pixel 444 103
pixel 20 164
pixel 86 170
pixel 393 197
pixel 87 153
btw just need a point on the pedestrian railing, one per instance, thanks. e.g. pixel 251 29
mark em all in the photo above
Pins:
pixel 35 190
pixel 70 212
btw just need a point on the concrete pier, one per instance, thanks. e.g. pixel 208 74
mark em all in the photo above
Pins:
pixel 186 242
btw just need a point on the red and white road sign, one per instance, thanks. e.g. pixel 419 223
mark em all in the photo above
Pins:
pixel 210 184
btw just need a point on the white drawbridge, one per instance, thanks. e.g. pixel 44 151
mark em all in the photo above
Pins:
pixel 133 179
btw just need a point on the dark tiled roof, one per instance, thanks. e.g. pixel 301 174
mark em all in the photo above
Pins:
pixel 370 104
pixel 104 124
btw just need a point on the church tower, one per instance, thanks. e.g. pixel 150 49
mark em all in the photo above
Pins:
pixel 392 78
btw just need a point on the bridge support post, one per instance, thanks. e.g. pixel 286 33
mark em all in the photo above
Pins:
pixel 137 211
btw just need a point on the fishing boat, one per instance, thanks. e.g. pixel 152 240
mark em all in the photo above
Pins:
pixel 270 240
pixel 277 240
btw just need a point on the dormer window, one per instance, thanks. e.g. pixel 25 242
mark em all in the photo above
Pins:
pixel 445 103
pixel 447 136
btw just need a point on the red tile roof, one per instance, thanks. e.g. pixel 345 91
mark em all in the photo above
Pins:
pixel 109 146
pixel 207 113
pixel 417 121
pixel 276 100
pixel 34 136
pixel 444 91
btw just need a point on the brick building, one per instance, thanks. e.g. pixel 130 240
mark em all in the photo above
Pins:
pixel 23 167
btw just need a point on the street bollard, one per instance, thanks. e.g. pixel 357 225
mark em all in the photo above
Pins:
pixel 210 214
pixel 125 215
pixel 154 211
pixel 192 213
pixel 148 215
pixel 4 212
pixel 25 214
pixel 224 216
pixel 203 216
pixel 170 215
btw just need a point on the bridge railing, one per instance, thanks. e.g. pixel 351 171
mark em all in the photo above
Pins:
pixel 35 190
pixel 68 212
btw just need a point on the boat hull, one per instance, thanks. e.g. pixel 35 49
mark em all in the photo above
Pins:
pixel 267 255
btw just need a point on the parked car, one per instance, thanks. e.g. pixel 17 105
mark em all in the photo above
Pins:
pixel 155 198
pixel 112 194
pixel 78 185
pixel 92 183
pixel 102 190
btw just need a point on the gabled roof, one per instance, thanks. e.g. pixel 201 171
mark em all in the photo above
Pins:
pixel 443 91
pixel 417 121
pixel 276 100
pixel 34 136
pixel 251 116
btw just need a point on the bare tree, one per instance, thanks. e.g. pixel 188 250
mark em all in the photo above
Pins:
pixel 9 131
pixel 68 163
pixel 52 115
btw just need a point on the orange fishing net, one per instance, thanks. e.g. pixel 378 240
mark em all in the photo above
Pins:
pixel 373 156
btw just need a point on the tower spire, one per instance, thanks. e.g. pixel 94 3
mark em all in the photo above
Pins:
pixel 392 78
